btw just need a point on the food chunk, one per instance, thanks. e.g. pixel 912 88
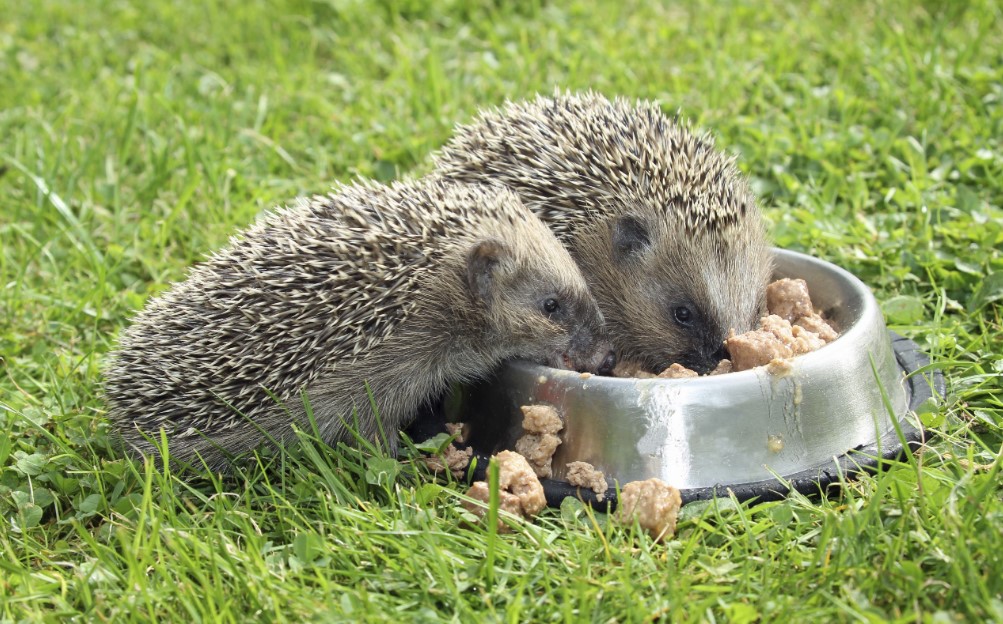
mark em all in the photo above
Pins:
pixel 677 371
pixel 516 476
pixel 453 459
pixel 723 367
pixel 818 325
pixel 541 424
pixel 805 341
pixel 628 368
pixel 776 339
pixel 788 299
pixel 507 501
pixel 541 419
pixel 519 491
pixel 458 431
pixel 653 504
pixel 756 348
pixel 539 449
pixel 584 474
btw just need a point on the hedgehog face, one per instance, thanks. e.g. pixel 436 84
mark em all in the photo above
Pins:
pixel 538 308
pixel 673 299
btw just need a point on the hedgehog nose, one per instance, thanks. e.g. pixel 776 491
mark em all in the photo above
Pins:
pixel 608 363
pixel 706 362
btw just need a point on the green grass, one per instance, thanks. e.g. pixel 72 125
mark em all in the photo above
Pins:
pixel 135 137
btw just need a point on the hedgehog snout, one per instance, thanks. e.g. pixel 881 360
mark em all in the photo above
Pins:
pixel 599 362
pixel 607 365
pixel 710 361
pixel 592 356
pixel 707 359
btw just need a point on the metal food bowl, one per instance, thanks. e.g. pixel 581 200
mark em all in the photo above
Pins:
pixel 750 433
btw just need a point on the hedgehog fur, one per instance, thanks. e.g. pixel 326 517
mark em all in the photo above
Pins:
pixel 407 288
pixel 663 225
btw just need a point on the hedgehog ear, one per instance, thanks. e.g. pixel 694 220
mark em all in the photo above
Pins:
pixel 482 261
pixel 630 238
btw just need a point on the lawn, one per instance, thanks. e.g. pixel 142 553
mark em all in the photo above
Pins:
pixel 135 137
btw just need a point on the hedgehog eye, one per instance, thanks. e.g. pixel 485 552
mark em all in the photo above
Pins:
pixel 551 306
pixel 683 315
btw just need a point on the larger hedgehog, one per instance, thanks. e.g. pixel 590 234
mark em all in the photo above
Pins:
pixel 664 226
pixel 407 288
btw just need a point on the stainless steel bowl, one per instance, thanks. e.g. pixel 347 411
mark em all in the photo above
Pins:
pixel 704 432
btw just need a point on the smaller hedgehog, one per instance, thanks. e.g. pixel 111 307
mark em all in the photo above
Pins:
pixel 663 225
pixel 406 288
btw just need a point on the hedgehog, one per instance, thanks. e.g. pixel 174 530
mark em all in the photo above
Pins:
pixel 390 292
pixel 663 225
